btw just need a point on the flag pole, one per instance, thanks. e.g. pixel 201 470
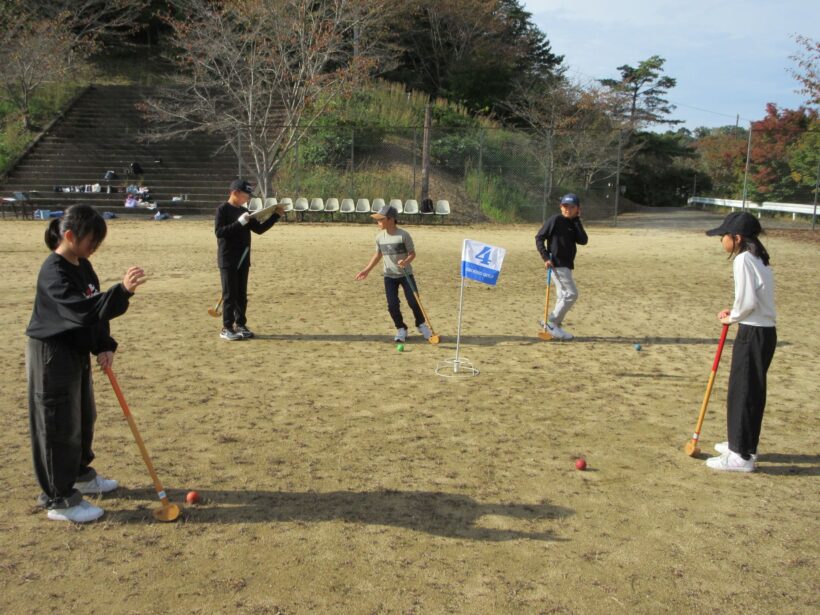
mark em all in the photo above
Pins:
pixel 458 330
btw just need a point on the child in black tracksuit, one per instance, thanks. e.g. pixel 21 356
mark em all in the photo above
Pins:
pixel 754 344
pixel 556 242
pixel 69 321
pixel 233 226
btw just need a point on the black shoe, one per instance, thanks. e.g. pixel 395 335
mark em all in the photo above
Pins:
pixel 244 332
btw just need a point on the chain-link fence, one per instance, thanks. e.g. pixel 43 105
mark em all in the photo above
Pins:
pixel 482 172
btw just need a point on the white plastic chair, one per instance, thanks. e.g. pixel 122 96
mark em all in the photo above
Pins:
pixel 397 204
pixel 332 205
pixel 347 206
pixel 300 206
pixel 363 206
pixel 287 203
pixel 411 207
pixel 376 205
pixel 271 201
pixel 443 207
pixel 316 204
pixel 255 204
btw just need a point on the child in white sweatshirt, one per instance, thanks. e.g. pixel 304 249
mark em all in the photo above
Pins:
pixel 754 344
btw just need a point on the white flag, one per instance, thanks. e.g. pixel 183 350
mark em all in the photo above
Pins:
pixel 481 262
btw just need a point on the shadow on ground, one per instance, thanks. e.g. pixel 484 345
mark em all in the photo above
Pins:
pixel 436 513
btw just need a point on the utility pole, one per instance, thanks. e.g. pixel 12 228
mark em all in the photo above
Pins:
pixel 746 172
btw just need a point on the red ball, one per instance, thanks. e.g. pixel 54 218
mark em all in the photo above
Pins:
pixel 581 464
pixel 192 497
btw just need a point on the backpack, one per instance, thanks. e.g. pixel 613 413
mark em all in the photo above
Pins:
pixel 135 168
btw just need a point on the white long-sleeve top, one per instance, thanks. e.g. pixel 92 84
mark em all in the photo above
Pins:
pixel 754 292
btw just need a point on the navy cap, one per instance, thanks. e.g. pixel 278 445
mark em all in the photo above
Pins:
pixel 242 185
pixel 738 223
pixel 570 199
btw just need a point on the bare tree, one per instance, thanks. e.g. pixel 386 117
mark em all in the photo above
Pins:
pixel 47 41
pixel 808 62
pixel 260 72
pixel 574 126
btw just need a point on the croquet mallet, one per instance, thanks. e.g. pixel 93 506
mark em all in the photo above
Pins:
pixel 169 510
pixel 434 339
pixel 692 446
pixel 544 335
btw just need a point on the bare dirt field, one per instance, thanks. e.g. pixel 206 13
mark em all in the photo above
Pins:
pixel 341 476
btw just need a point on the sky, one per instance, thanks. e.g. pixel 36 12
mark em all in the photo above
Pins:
pixel 729 57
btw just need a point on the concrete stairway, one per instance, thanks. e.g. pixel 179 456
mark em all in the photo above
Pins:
pixel 99 133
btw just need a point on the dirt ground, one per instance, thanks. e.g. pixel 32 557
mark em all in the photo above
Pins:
pixel 341 476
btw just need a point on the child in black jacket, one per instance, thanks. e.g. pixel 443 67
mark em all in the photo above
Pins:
pixel 233 225
pixel 556 244
pixel 69 321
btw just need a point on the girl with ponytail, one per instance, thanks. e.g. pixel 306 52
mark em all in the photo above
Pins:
pixel 69 322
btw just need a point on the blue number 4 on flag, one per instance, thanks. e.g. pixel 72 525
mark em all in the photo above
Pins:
pixel 481 262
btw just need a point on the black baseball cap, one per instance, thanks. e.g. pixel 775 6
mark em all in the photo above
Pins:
pixel 738 223
pixel 570 199
pixel 242 185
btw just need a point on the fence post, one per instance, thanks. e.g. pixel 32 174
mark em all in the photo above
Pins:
pixel 480 163
pixel 545 193
pixel 353 162
pixel 425 153
pixel 298 178
pixel 415 149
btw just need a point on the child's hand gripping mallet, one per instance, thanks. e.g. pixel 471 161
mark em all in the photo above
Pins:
pixel 434 339
pixel 216 311
pixel 692 446
pixel 544 335
pixel 169 511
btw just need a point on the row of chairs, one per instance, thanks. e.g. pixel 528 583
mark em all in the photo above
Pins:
pixel 409 207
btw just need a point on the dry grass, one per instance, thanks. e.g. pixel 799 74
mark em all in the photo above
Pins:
pixel 341 476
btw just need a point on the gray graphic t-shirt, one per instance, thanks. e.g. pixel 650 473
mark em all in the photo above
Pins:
pixel 394 248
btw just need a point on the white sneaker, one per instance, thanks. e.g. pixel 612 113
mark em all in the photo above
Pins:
pixel 731 462
pixel 723 447
pixel 81 513
pixel 401 335
pixel 426 331
pixel 96 486
pixel 555 331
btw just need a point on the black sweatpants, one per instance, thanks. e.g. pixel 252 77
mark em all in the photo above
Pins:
pixel 391 289
pixel 62 413
pixel 234 295
pixel 752 354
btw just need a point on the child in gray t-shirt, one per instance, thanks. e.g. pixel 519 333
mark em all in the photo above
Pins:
pixel 395 247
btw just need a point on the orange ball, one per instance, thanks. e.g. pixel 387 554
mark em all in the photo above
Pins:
pixel 192 497
pixel 581 464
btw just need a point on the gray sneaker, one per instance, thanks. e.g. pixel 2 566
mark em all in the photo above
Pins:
pixel 84 512
pixel 96 486
pixel 230 335
pixel 425 330
pixel 401 335
pixel 244 332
